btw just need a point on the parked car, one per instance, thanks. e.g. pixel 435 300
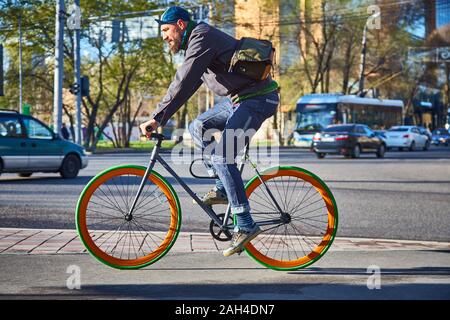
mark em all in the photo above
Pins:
pixel 349 140
pixel 406 137
pixel 440 136
pixel 27 145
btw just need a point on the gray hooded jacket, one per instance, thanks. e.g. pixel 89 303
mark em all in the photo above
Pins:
pixel 207 59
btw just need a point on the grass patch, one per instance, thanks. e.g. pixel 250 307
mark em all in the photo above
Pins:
pixel 137 145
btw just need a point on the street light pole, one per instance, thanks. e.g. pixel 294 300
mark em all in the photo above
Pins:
pixel 75 24
pixel 20 64
pixel 59 66
pixel 363 53
pixel 363 62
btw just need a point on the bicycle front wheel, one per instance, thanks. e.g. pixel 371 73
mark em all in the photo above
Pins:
pixel 115 238
pixel 312 224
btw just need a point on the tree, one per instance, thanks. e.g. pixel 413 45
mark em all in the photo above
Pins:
pixel 151 74
pixel 112 67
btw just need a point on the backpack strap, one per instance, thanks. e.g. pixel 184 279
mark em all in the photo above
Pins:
pixel 272 86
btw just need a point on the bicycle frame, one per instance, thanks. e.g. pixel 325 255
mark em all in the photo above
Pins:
pixel 224 226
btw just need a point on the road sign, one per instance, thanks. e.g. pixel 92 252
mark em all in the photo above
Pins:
pixel 428 54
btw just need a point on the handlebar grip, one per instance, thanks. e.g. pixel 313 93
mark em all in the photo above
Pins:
pixel 148 129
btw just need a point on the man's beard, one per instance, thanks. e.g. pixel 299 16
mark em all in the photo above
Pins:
pixel 175 46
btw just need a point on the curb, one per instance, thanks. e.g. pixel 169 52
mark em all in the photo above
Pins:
pixel 63 241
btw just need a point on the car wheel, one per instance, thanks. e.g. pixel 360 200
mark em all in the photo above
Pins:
pixel 381 151
pixel 427 145
pixel 25 174
pixel 356 152
pixel 70 167
pixel 412 147
pixel 320 155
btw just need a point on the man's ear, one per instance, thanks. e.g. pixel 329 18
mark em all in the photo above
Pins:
pixel 182 24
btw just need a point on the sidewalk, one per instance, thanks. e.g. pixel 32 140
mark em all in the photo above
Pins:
pixel 48 241
pixel 45 264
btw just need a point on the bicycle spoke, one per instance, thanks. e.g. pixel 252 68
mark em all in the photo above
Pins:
pixel 305 237
pixel 299 209
pixel 146 234
pixel 110 201
pixel 102 222
pixel 298 239
pixel 308 212
pixel 298 194
pixel 293 244
pixel 265 199
pixel 288 205
pixel 117 243
pixel 278 191
pixel 304 196
pixel 149 214
pixel 120 194
pixel 143 224
pixel 142 203
pixel 139 225
pixel 105 214
pixel 296 213
pixel 114 198
pixel 125 194
pixel 101 205
pixel 284 193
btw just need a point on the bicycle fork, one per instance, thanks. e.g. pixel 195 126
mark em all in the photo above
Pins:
pixel 151 164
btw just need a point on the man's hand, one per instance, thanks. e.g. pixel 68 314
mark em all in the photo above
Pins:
pixel 151 124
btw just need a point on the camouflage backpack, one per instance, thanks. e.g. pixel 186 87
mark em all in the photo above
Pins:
pixel 253 58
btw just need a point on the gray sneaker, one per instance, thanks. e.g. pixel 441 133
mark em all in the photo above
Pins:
pixel 214 197
pixel 240 240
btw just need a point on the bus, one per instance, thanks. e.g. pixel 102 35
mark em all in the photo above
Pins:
pixel 315 112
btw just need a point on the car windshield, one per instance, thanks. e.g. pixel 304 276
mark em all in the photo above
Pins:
pixel 339 129
pixel 399 129
pixel 314 118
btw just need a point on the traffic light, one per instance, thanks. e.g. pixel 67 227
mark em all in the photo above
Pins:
pixel 116 26
pixel 74 89
pixel 84 86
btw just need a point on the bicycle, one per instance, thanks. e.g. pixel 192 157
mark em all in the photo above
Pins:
pixel 129 216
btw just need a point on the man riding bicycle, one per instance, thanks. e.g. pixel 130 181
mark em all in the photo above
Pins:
pixel 208 54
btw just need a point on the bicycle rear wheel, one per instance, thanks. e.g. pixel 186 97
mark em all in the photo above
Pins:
pixel 108 232
pixel 313 218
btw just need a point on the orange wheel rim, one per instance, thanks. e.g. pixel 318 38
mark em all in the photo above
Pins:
pixel 326 239
pixel 84 232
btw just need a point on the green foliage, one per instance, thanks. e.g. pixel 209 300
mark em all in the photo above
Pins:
pixel 116 71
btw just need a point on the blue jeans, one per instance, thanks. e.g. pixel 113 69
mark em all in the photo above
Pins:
pixel 238 123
